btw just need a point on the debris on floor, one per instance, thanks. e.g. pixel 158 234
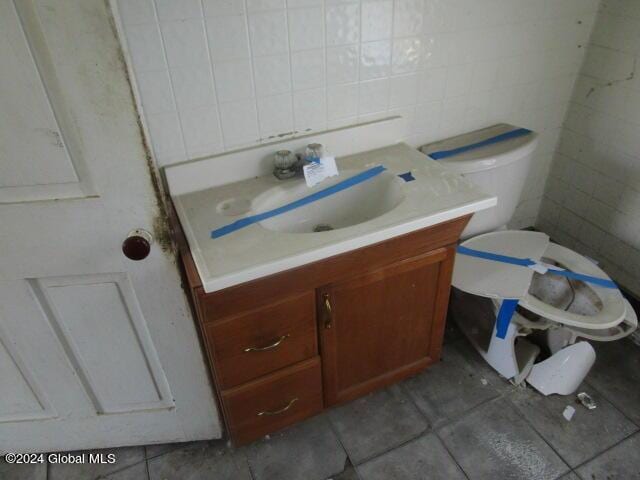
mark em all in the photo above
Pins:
pixel 585 399
pixel 568 413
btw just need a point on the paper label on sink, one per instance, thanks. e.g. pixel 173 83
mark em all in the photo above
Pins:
pixel 316 172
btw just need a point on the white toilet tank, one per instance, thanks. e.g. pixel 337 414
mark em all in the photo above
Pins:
pixel 498 168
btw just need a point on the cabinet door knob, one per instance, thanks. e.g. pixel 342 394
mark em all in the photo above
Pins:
pixel 137 245
pixel 329 313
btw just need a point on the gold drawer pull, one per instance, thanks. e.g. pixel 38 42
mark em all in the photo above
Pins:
pixel 268 347
pixel 328 311
pixel 278 412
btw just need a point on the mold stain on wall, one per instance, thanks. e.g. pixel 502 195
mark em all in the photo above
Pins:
pixel 160 223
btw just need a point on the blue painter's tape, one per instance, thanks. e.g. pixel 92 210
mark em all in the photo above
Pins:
pixel 407 177
pixel 519 132
pixel 496 257
pixel 507 308
pixel 314 197
pixel 526 262
pixel 602 282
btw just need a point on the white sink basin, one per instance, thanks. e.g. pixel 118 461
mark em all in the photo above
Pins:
pixel 357 204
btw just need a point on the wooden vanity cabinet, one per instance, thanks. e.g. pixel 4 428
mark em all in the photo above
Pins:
pixel 284 347
pixel 383 325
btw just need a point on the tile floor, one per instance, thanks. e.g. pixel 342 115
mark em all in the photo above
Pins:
pixel 457 420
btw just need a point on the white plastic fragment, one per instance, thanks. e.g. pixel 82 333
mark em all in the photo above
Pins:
pixel 543 267
pixel 568 413
pixel 587 401
pixel 483 381
pixel 538 268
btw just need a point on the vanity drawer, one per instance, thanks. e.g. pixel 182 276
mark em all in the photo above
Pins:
pixel 261 341
pixel 274 401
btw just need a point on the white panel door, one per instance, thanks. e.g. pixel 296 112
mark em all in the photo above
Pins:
pixel 96 350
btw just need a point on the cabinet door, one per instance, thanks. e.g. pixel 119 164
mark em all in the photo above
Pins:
pixel 384 325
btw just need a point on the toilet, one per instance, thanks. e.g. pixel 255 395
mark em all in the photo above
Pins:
pixel 529 306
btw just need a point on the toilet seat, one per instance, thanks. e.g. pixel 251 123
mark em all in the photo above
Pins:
pixel 613 305
pixel 503 280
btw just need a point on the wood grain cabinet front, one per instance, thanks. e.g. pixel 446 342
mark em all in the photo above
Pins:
pixel 261 341
pixel 383 325
pixel 286 346
pixel 274 401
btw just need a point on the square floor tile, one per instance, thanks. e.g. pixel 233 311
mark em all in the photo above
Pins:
pixel 480 366
pixel 349 473
pixel 619 463
pixel 570 476
pixel 376 423
pixel 495 442
pixel 450 387
pixel 137 472
pixel 309 451
pixel 156 450
pixel 588 433
pixel 423 458
pixel 125 457
pixel 616 374
pixel 200 461
pixel 10 471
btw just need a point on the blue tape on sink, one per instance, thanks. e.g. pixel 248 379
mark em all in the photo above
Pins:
pixel 314 197
pixel 519 132
pixel 407 177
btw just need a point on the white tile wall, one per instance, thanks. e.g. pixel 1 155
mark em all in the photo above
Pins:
pixel 592 198
pixel 215 75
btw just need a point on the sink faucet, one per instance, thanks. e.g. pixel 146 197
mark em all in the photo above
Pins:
pixel 287 165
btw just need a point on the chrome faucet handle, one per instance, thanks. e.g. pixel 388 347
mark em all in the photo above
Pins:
pixel 284 163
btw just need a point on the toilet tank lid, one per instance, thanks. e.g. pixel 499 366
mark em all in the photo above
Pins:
pixel 485 157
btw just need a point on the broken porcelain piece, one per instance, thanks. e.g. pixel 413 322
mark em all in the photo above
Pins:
pixel 587 401
pixel 568 413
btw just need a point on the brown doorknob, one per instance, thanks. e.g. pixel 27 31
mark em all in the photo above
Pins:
pixel 137 245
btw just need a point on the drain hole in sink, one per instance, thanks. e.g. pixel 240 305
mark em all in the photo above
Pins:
pixel 322 227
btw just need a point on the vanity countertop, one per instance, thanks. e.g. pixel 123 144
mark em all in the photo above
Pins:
pixel 436 195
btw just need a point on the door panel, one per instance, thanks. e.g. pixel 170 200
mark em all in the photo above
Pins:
pixel 31 128
pixel 380 326
pixel 99 323
pixel 25 399
pixel 95 350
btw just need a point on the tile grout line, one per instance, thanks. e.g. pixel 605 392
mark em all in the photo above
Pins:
pixel 455 460
pixel 618 409
pixel 606 450
pixel 161 34
pixel 427 431
pixel 432 428
pixel 335 434
pixel 530 424
pixel 387 450
pixel 213 77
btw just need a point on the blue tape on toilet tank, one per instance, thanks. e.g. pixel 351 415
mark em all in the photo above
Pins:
pixel 314 197
pixel 519 132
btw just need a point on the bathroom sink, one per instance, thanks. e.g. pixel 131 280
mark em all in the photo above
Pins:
pixel 357 204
